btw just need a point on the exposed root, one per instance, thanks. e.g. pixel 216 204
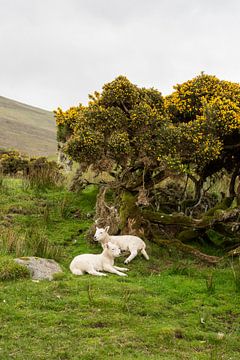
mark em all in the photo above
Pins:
pixel 209 259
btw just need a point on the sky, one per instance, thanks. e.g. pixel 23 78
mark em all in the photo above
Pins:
pixel 56 52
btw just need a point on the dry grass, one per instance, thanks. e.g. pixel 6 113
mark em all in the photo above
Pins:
pixel 27 129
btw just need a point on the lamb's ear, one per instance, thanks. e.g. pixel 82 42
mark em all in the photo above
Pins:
pixel 107 228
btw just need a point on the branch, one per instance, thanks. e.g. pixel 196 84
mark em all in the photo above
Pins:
pixel 229 147
pixel 211 260
pixel 124 107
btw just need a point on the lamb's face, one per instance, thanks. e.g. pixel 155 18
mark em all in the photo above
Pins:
pixel 113 249
pixel 100 234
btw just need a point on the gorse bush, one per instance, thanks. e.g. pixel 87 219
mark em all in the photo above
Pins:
pixel 10 270
pixel 12 162
pixel 39 172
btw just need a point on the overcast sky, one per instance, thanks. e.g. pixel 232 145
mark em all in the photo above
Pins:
pixel 55 52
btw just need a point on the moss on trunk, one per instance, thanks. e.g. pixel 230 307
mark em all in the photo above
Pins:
pixel 167 219
pixel 128 208
pixel 188 235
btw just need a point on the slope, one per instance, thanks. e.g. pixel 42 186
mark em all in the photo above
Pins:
pixel 26 128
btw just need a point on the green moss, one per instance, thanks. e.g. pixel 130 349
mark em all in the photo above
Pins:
pixel 166 219
pixel 188 235
pixel 223 205
pixel 128 208
pixel 215 237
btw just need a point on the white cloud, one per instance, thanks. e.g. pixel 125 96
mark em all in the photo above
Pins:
pixel 55 52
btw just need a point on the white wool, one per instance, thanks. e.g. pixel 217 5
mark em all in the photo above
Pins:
pixel 93 264
pixel 130 243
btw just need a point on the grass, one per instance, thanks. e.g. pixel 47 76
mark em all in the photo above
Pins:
pixel 167 308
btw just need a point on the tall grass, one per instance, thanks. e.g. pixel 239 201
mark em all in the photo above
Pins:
pixel 3 186
pixel 33 243
pixel 43 174
pixel 236 274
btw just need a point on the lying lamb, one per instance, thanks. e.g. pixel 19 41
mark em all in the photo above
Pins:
pixel 93 264
pixel 124 242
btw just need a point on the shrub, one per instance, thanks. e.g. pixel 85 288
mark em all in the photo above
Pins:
pixel 12 162
pixel 10 270
pixel 39 172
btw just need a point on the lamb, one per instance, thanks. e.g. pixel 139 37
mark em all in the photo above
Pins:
pixel 124 242
pixel 93 264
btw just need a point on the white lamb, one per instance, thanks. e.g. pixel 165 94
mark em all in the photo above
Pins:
pixel 124 242
pixel 94 264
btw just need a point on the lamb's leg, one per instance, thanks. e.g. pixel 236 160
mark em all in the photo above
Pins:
pixel 120 268
pixel 131 256
pixel 112 270
pixel 76 272
pixel 97 273
pixel 143 251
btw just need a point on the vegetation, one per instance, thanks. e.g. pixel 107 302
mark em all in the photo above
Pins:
pixel 161 168
pixel 172 307
pixel 141 139
pixel 10 270
pixel 40 173
pixel 206 116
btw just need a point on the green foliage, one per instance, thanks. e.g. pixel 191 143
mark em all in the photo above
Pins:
pixel 120 93
pixel 121 123
pixel 10 270
pixel 215 237
pixel 205 112
pixel 39 172
pixel 63 132
pixel 11 162
pixel 141 135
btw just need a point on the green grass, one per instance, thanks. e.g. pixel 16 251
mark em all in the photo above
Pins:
pixel 167 308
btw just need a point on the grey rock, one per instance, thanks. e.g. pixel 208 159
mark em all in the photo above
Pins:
pixel 40 269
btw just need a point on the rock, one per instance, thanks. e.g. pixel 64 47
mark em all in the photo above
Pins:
pixel 40 269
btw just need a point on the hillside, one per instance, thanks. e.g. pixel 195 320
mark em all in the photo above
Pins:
pixel 26 128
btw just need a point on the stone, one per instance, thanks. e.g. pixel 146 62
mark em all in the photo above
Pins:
pixel 40 269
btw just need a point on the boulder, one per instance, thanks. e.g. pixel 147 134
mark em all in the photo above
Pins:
pixel 40 269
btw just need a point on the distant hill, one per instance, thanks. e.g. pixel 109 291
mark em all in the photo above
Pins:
pixel 26 128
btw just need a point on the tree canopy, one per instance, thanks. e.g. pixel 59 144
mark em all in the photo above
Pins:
pixel 205 113
pixel 123 128
pixel 138 132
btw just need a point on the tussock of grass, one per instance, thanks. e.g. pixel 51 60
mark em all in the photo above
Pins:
pixel 10 270
pixel 32 243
